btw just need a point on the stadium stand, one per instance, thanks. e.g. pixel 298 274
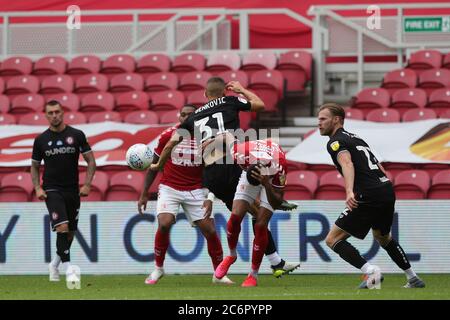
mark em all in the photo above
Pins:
pixel 302 185
pixel 125 186
pixel 412 184
pixel 16 187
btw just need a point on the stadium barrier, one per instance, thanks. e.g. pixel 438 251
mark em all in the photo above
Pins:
pixel 115 239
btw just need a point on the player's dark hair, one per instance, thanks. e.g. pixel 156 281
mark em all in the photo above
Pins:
pixel 215 87
pixel 335 110
pixel 189 106
pixel 52 103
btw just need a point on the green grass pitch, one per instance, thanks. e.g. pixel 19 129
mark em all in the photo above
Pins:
pixel 193 287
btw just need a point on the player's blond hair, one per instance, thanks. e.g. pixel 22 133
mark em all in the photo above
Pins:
pixel 335 110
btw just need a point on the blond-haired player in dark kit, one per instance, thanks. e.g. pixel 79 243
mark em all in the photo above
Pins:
pixel 370 200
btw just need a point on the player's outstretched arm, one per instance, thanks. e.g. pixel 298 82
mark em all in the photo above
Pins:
pixel 256 103
pixel 166 153
pixel 348 171
pixel 90 171
pixel 149 178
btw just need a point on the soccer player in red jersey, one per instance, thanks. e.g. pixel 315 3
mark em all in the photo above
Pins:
pixel 264 176
pixel 180 185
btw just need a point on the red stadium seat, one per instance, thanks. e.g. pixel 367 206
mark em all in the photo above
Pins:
pixel 431 80
pixel 74 118
pixel 352 113
pixel 16 187
pixel 433 168
pixel 132 101
pixel 446 61
pixel 152 63
pixel 161 81
pixel 258 60
pixel 126 82
pixel 34 119
pixel 142 117
pixel 4 104
pixel 412 184
pixel 2 85
pixel 301 185
pixel 69 101
pixel 118 63
pixel 406 99
pixel 49 65
pixel 372 98
pixel 440 185
pixel 169 117
pixel 82 65
pixel 6 119
pixel 167 100
pixel 16 66
pixel 399 79
pixel 125 186
pixel 424 59
pixel 296 69
pixel 245 119
pixel 445 114
pixel 223 61
pixel 294 165
pixel 331 187
pixel 418 114
pixel 105 116
pixel 395 167
pixel 188 62
pixel 96 102
pixel 91 83
pixel 60 83
pixel 26 103
pixel 439 100
pixel 197 98
pixel 100 184
pixel 22 85
pixel 238 75
pixel 192 81
pixel 383 115
pixel 268 85
pixel 321 169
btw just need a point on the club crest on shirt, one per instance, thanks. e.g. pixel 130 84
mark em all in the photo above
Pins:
pixel 69 140
pixel 335 146
pixel 54 216
pixel 242 100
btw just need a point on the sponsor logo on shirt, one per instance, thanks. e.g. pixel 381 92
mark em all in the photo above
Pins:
pixel 60 150
pixel 59 143
pixel 335 146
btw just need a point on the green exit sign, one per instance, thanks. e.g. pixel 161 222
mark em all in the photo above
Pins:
pixel 427 24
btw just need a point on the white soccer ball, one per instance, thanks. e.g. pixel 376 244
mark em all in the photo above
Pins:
pixel 139 157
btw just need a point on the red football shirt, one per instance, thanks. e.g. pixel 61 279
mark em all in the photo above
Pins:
pixel 183 170
pixel 266 152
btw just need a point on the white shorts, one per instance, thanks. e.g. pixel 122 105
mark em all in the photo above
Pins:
pixel 169 201
pixel 248 192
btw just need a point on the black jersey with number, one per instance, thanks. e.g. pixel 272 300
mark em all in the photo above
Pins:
pixel 216 116
pixel 60 152
pixel 367 173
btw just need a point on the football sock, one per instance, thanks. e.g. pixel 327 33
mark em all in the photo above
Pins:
pixel 410 273
pixel 271 247
pixel 161 245
pixel 56 261
pixel 259 246
pixel 349 253
pixel 63 246
pixel 274 259
pixel 397 255
pixel 233 230
pixel 215 249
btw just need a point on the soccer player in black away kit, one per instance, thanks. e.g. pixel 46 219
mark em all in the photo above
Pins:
pixel 60 146
pixel 370 199
pixel 220 114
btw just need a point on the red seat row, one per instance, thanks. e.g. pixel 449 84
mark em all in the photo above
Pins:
pixel 123 185
pixel 422 60
pixel 392 115
pixel 402 100
pixel 409 184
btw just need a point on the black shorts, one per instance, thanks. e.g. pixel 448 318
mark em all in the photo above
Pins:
pixel 375 211
pixel 222 180
pixel 63 207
